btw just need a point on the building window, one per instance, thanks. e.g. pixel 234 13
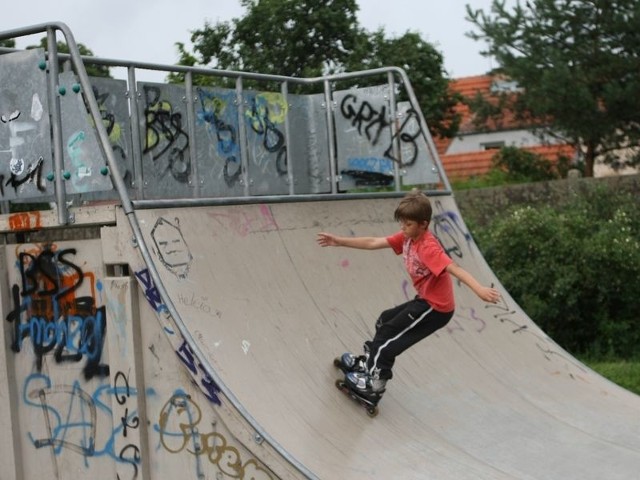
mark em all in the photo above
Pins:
pixel 492 145
pixel 505 86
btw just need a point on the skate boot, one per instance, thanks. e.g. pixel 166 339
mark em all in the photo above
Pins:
pixel 349 362
pixel 366 386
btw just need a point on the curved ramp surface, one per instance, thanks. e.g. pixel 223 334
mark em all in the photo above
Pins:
pixel 488 397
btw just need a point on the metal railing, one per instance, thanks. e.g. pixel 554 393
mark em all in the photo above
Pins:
pixel 145 190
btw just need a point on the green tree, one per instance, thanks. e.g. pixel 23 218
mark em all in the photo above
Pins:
pixel 309 38
pixel 10 43
pixel 576 63
pixel 520 166
pixel 424 66
pixel 92 69
pixel 284 37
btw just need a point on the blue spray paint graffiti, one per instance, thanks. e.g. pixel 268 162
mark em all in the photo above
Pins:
pixel 71 416
pixel 47 311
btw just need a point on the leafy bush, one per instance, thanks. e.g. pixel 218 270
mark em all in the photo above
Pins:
pixel 575 270
pixel 513 165
pixel 523 166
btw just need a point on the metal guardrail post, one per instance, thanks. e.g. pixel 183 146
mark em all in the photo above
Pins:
pixel 194 177
pixel 136 139
pixel 284 89
pixel 242 134
pixel 56 125
pixel 328 101
pixel 395 141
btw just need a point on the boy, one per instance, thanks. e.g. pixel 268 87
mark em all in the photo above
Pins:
pixel 398 328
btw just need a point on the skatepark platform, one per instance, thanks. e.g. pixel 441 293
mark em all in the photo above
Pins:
pixel 161 325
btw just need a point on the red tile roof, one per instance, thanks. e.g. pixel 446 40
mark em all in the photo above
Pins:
pixel 464 165
pixel 471 164
pixel 468 87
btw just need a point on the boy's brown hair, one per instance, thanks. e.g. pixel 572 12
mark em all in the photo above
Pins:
pixel 415 206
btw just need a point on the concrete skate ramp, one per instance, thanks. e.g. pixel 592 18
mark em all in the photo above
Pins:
pixel 488 397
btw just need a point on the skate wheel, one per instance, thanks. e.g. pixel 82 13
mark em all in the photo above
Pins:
pixel 337 362
pixel 372 411
pixel 340 384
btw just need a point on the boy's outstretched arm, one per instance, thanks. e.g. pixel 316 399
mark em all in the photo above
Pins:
pixel 488 294
pixel 364 243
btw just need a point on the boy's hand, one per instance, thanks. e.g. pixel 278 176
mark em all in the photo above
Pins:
pixel 488 294
pixel 326 240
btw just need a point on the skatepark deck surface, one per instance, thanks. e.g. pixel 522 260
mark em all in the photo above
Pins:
pixel 490 396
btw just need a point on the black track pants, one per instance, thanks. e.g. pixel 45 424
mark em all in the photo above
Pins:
pixel 398 329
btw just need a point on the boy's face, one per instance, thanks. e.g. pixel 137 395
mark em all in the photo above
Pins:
pixel 413 229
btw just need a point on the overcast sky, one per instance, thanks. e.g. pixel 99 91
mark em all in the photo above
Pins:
pixel 147 30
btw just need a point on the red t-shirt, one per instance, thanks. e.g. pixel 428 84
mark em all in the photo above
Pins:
pixel 426 262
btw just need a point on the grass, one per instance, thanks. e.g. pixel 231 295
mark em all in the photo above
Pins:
pixel 493 178
pixel 625 373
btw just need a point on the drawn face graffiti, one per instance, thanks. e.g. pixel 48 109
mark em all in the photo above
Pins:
pixel 171 247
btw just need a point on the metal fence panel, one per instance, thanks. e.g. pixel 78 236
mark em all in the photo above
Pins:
pixel 416 162
pixel 84 162
pixel 166 159
pixel 308 155
pixel 363 137
pixel 218 143
pixel 265 116
pixel 25 139
pixel 113 100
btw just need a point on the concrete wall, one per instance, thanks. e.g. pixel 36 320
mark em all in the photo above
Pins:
pixel 91 387
pixel 482 204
